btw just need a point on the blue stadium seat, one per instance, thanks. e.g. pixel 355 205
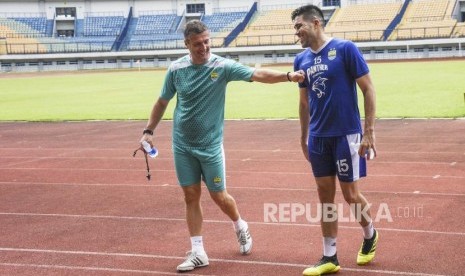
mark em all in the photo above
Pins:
pixel 220 22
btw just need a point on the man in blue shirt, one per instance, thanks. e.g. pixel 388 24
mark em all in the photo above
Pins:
pixel 331 131
pixel 199 82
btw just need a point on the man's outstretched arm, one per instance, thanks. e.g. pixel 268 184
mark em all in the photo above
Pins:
pixel 273 76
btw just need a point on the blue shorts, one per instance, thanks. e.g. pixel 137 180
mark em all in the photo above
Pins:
pixel 208 164
pixel 336 156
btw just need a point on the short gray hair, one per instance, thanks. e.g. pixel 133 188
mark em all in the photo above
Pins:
pixel 194 27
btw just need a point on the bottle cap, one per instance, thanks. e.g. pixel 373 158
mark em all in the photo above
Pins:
pixel 152 152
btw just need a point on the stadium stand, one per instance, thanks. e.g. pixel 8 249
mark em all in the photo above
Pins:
pixel 362 22
pixel 103 25
pixel 269 27
pixel 154 30
pixel 459 30
pixel 6 28
pixel 38 24
pixel 160 31
pixel 78 44
pixel 155 24
pixel 28 35
pixel 146 41
pixel 223 21
pixel 426 19
pixel 21 34
pixel 24 45
pixel 221 24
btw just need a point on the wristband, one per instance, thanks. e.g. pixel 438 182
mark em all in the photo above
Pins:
pixel 147 131
pixel 288 78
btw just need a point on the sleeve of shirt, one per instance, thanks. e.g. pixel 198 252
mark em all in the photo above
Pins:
pixel 238 71
pixel 168 91
pixel 357 65
pixel 296 68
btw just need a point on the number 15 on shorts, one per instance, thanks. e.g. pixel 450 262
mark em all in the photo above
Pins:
pixel 342 166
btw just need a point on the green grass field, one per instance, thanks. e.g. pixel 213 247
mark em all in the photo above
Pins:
pixel 412 89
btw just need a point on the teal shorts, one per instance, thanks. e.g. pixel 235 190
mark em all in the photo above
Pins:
pixel 193 165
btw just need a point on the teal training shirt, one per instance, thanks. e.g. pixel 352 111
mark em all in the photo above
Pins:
pixel 198 118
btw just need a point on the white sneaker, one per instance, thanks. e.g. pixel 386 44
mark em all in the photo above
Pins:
pixel 192 261
pixel 245 240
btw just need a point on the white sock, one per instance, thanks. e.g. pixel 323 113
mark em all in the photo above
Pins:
pixel 197 245
pixel 368 231
pixel 240 224
pixel 329 246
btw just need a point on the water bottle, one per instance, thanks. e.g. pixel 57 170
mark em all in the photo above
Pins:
pixel 152 152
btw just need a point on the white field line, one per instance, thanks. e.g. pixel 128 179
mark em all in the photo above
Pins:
pixel 92 268
pixel 417 193
pixel 223 222
pixel 150 256
pixel 230 149
pixel 228 172
pixel 26 159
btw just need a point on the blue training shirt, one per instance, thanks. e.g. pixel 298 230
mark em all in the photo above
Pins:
pixel 330 81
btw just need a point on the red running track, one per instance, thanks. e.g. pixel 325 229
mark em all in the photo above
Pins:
pixel 73 201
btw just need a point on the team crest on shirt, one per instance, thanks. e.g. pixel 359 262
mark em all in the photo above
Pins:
pixel 217 180
pixel 214 76
pixel 332 54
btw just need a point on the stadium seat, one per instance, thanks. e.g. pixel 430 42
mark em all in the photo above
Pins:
pixel 270 27
pixel 348 24
pixel 426 19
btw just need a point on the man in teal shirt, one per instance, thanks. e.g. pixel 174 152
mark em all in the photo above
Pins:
pixel 199 80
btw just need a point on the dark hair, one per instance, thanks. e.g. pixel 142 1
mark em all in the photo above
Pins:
pixel 194 27
pixel 309 12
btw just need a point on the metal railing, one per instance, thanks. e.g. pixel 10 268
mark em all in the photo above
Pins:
pixel 241 41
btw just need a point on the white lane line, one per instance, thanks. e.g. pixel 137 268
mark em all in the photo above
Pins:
pixel 222 222
pixel 130 169
pixel 232 148
pixel 14 183
pixel 88 184
pixel 365 191
pixel 258 160
pixel 93 268
pixel 229 172
pixel 94 253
